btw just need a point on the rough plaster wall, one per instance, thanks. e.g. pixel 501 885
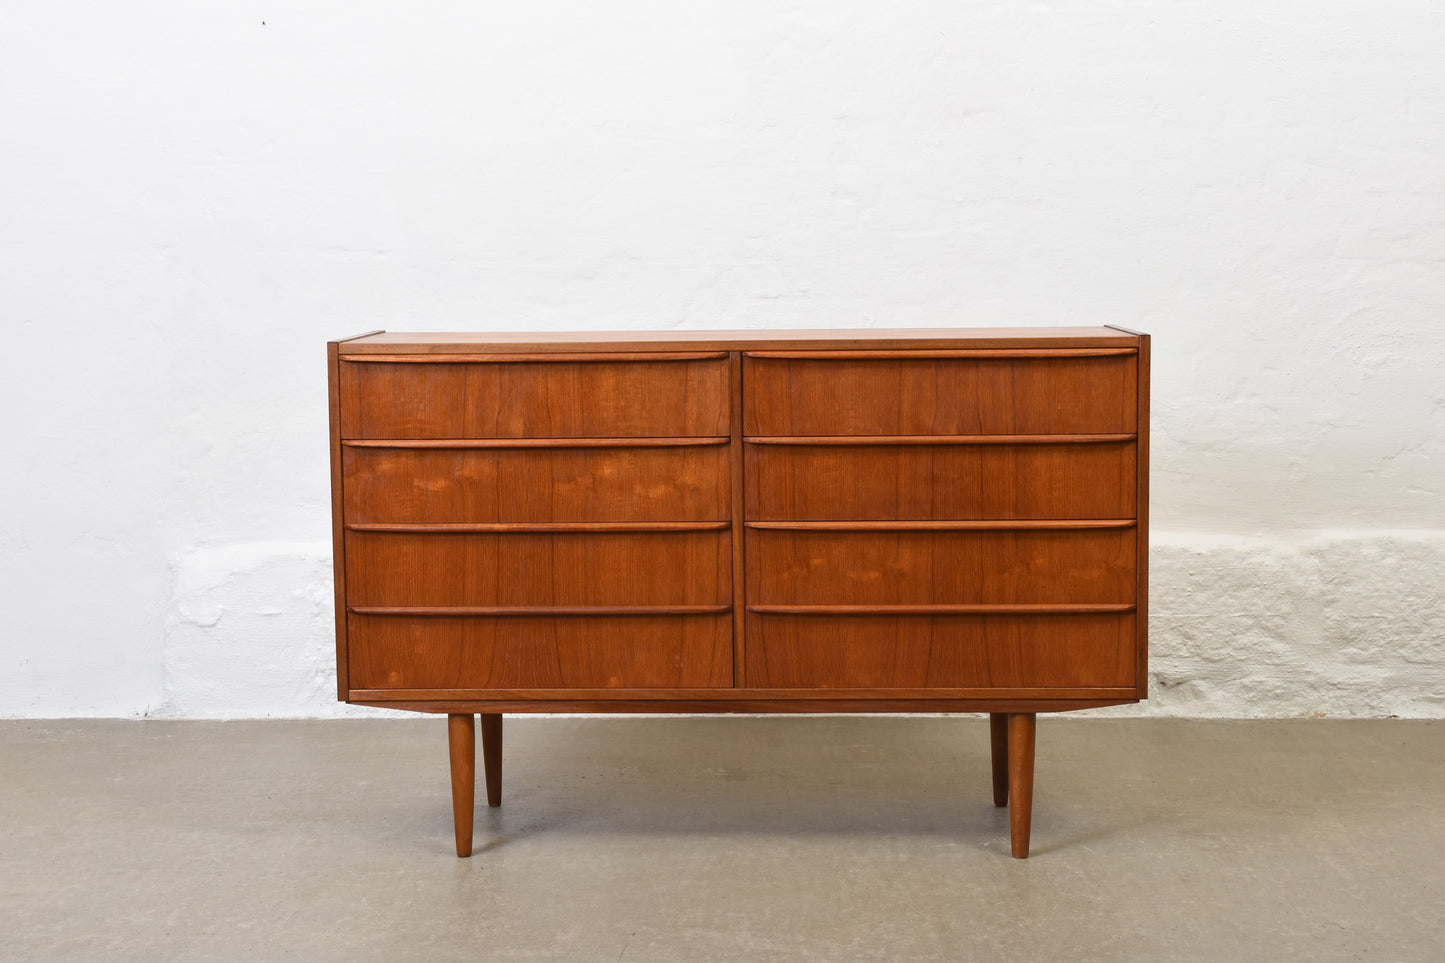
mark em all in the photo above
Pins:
pixel 195 197
pixel 1340 624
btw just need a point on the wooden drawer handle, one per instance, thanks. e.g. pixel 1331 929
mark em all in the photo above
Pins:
pixel 938 439
pixel 457 528
pixel 1045 609
pixel 534 442
pixel 925 355
pixel 1004 525
pixel 537 611
pixel 559 357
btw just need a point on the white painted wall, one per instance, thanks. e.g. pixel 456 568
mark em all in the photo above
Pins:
pixel 196 196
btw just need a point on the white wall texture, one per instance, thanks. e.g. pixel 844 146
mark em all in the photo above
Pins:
pixel 196 196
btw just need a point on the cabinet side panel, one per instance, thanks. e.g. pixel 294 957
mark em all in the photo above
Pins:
pixel 338 503
pixel 541 652
pixel 1141 598
pixel 977 651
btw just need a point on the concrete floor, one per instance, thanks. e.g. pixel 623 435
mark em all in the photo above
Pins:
pixel 774 838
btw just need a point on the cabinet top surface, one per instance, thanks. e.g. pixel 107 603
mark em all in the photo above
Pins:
pixel 408 342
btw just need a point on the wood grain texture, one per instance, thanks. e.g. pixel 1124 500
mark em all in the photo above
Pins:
pixel 338 545
pixel 950 651
pixel 591 357
pixel 736 453
pixel 942 525
pixel 850 440
pixel 462 748
pixel 740 706
pixel 540 652
pixel 998 755
pixel 940 482
pixel 930 567
pixel 820 521
pixel 940 396
pixel 535 400
pixel 1141 591
pixel 875 354
pixel 944 608
pixel 436 528
pixel 564 485
pixel 1021 738
pixel 541 569
pixel 338 506
pixel 608 442
pixel 531 611
pixel 831 339
pixel 1012 694
pixel 492 756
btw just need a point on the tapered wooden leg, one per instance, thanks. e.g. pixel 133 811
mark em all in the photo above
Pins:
pixel 1020 779
pixel 998 743
pixel 462 740
pixel 492 755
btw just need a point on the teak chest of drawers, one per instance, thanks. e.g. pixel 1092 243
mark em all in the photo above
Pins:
pixel 805 521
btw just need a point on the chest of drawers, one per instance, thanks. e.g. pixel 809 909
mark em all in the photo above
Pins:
pixel 806 521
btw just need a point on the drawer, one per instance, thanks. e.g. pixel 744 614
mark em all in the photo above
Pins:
pixel 832 482
pixel 940 396
pixel 979 651
pixel 791 567
pixel 535 399
pixel 675 483
pixel 539 568
pixel 555 652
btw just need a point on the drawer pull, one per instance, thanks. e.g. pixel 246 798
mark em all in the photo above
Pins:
pixel 1045 609
pixel 445 528
pixel 536 358
pixel 936 439
pixel 989 525
pixel 535 442
pixel 543 611
pixel 925 354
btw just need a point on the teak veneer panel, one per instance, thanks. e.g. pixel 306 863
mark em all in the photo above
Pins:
pixel 552 568
pixel 534 400
pixel 812 339
pixel 954 651
pixel 821 482
pixel 940 396
pixel 543 485
pixel 903 567
pixel 765 521
pixel 540 652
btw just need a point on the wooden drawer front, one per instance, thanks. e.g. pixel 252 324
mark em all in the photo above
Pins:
pixel 539 569
pixel 940 396
pixel 940 567
pixel 557 652
pixel 830 482
pixel 536 485
pixel 583 399
pixel 1003 651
